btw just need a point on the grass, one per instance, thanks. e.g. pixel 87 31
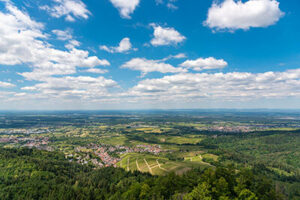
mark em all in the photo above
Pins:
pixel 184 140
pixel 113 140
pixel 194 159
pixel 153 129
pixel 197 157
pixel 155 165
pixel 281 129
pixel 190 124
pixel 187 139
pixel 281 172
pixel 210 156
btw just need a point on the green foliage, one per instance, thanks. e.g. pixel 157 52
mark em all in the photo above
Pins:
pixel 201 192
pixel 35 174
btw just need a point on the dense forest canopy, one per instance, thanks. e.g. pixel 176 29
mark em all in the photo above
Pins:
pixel 35 174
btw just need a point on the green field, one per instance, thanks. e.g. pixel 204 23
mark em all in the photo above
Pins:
pixel 189 139
pixel 155 165
pixel 113 140
pixel 198 158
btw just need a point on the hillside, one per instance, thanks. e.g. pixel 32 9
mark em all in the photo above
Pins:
pixel 34 174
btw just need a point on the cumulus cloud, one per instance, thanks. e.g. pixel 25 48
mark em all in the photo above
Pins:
pixel 124 46
pixel 62 35
pixel 177 56
pixel 204 63
pixel 6 84
pixel 96 70
pixel 70 9
pixel 125 7
pixel 72 44
pixel 22 41
pixel 222 86
pixel 82 86
pixel 147 66
pixel 165 36
pixel 236 14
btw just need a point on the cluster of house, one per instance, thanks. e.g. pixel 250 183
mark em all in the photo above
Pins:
pixel 104 151
pixel 155 149
pixel 141 148
pixel 25 131
pixel 108 160
pixel 29 141
pixel 5 140
pixel 101 151
pixel 84 160
pixel 236 129
pixel 35 142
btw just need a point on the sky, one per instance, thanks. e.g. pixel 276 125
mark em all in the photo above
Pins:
pixel 149 54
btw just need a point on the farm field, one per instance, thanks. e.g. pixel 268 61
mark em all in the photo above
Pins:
pixel 155 165
pixel 190 139
pixel 113 140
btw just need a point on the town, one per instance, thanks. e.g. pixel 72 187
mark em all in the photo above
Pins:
pixel 105 153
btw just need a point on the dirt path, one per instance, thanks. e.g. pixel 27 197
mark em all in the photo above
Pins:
pixel 137 165
pixel 160 166
pixel 150 170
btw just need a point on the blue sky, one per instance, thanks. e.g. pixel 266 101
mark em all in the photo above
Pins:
pixel 144 54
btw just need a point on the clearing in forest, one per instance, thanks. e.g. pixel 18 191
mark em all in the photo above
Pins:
pixel 154 164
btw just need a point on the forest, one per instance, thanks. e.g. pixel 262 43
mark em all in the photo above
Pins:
pixel 35 174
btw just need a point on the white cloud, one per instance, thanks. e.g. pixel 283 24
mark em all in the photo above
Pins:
pixel 70 9
pixel 72 44
pixel 147 66
pixel 124 46
pixel 219 86
pixel 232 14
pixel 96 70
pixel 22 41
pixel 169 3
pixel 165 36
pixel 177 56
pixel 172 6
pixel 180 55
pixel 204 63
pixel 82 87
pixel 62 35
pixel 6 84
pixel 125 7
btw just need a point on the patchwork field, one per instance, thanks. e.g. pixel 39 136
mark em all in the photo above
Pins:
pixel 154 164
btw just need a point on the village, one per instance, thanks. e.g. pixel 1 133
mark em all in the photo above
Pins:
pixel 30 142
pixel 26 131
pixel 109 155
